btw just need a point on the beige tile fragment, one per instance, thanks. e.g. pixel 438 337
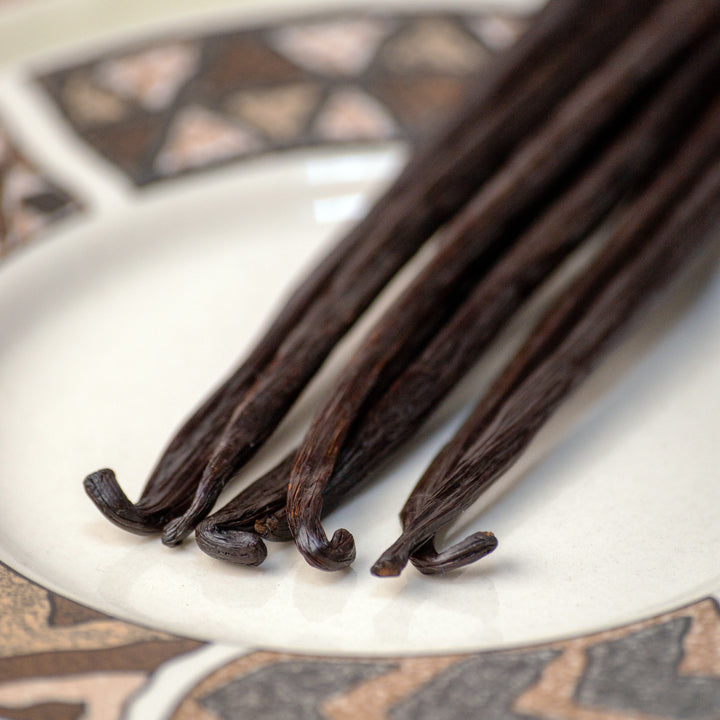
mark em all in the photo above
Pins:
pixel 280 112
pixel 200 137
pixel 151 77
pixel 434 45
pixel 104 694
pixel 553 696
pixel 498 32
pixel 336 47
pixel 702 642
pixel 372 699
pixel 350 114
pixel 89 104
pixel 21 181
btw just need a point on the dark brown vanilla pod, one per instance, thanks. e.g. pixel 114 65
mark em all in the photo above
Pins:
pixel 429 561
pixel 563 44
pixel 103 489
pixel 622 168
pixel 697 78
pixel 230 533
pixel 569 135
pixel 427 195
pixel 479 138
pixel 660 231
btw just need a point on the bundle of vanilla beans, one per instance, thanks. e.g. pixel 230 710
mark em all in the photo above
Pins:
pixel 605 115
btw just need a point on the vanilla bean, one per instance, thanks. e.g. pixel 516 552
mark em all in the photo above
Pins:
pixel 429 192
pixel 477 232
pixel 696 80
pixel 474 145
pixel 622 168
pixel 229 534
pixel 659 232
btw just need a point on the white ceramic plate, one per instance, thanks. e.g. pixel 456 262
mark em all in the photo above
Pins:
pixel 112 331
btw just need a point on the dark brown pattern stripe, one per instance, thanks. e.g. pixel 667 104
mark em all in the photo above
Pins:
pixel 46 711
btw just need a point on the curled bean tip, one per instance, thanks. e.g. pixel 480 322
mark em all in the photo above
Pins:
pixel 467 551
pixel 104 490
pixel 101 479
pixel 236 546
pixel 336 554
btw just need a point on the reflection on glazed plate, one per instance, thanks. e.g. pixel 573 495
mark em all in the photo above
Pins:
pixel 165 186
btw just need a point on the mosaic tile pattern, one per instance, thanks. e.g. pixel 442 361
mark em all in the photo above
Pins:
pixel 662 669
pixel 179 105
pixel 62 661
pixel 29 200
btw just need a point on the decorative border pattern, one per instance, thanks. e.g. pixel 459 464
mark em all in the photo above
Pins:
pixel 62 661
pixel 667 667
pixel 180 104
pixel 29 200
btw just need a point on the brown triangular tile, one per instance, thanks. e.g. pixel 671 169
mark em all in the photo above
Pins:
pixel 66 613
pixel 420 104
pixel 243 60
pixel 129 144
pixel 45 711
